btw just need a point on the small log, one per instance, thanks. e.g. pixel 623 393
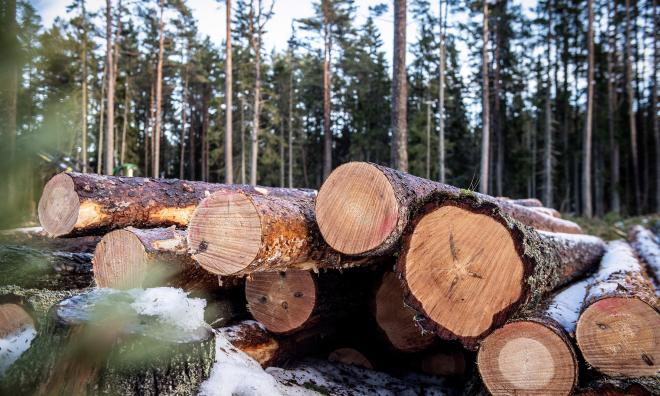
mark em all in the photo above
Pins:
pixel 135 258
pixel 363 208
pixel 467 267
pixel 286 302
pixel 34 267
pixel 77 204
pixel 95 344
pixel 605 386
pixel 534 353
pixel 397 321
pixel 646 245
pixel 350 356
pixel 618 330
pixel 529 202
pixel 239 233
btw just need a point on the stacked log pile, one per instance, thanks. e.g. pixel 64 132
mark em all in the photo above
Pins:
pixel 380 270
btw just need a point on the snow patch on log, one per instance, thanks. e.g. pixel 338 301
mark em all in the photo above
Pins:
pixel 13 346
pixel 647 246
pixel 619 258
pixel 565 306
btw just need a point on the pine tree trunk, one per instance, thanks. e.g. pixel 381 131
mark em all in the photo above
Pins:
pixel 159 93
pixel 109 132
pixel 399 89
pixel 632 124
pixel 242 128
pixel 282 153
pixel 586 149
pixel 99 150
pixel 327 90
pixel 485 113
pixel 615 200
pixel 184 110
pixel 122 153
pixel 84 87
pixel 654 106
pixel 290 120
pixel 428 139
pixel 441 96
pixel 497 114
pixel 255 31
pixel 229 132
pixel 548 187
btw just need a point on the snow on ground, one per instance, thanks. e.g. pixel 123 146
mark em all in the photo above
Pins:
pixel 13 346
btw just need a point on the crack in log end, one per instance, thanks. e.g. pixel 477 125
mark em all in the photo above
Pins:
pixel 647 359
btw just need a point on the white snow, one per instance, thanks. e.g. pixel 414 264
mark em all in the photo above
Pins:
pixel 646 245
pixel 13 346
pixel 565 306
pixel 619 258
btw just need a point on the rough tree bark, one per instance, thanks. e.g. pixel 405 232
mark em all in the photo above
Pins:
pixel 399 90
pixel 586 149
pixel 441 95
pixel 364 208
pixel 76 203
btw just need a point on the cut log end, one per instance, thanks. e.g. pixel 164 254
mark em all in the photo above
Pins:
pixel 224 234
pixel 282 301
pixel 59 206
pixel 356 208
pixel 350 356
pixel 620 337
pixel 120 261
pixel 397 321
pixel 527 358
pixel 462 269
pixel 13 318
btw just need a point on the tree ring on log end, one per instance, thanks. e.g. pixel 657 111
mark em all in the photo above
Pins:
pixel 462 269
pixel 13 318
pixel 620 336
pixel 527 358
pixel 224 233
pixel 281 301
pixel 356 208
pixel 59 205
pixel 396 320
pixel 120 261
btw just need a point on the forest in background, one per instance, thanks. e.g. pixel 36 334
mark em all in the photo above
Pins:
pixel 135 86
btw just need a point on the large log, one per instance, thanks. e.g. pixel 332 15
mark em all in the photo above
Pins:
pixel 395 320
pixel 467 267
pixel 646 245
pixel 135 258
pixel 534 353
pixel 618 331
pixel 286 302
pixel 76 203
pixel 363 208
pixel 99 343
pixel 238 233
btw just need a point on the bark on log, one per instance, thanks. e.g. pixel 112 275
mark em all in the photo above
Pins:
pixel 466 267
pixel 546 211
pixel 77 204
pixel 395 320
pixel 620 387
pixel 87 346
pixel 239 233
pixel 363 209
pixel 646 245
pixel 135 258
pixel 286 302
pixel 534 352
pixel 529 202
pixel 618 330
pixel 41 268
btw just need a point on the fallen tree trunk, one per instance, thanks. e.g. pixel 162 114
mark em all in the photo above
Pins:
pixel 546 211
pixel 618 331
pixel 467 267
pixel 96 343
pixel 529 202
pixel 363 208
pixel 286 302
pixel 534 353
pixel 395 320
pixel 239 233
pixel 77 203
pixel 646 245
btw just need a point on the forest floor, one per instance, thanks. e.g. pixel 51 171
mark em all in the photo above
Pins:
pixel 613 226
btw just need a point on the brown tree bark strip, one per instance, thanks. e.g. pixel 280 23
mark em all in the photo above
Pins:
pixel 486 266
pixel 618 330
pixel 646 245
pixel 77 204
pixel 364 208
pixel 287 302
pixel 110 354
pixel 243 232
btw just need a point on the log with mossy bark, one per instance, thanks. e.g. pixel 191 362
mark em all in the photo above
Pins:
pixel 286 302
pixel 647 246
pixel 239 233
pixel 363 208
pixel 76 203
pixel 535 351
pixel 618 331
pixel 467 267
pixel 93 344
